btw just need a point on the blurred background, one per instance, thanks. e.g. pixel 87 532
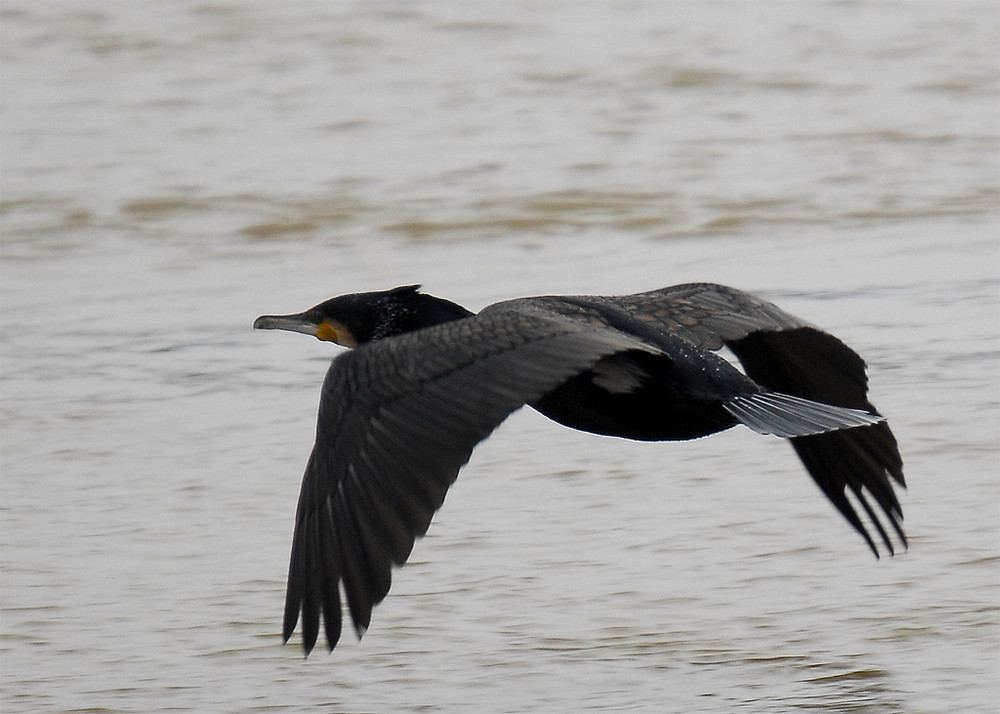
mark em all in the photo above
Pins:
pixel 170 171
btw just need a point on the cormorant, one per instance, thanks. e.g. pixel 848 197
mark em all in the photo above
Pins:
pixel 401 413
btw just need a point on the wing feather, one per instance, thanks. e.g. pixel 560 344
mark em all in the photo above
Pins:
pixel 781 353
pixel 398 419
pixel 786 354
pixel 708 315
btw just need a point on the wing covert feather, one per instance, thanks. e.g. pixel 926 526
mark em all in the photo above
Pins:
pixel 707 315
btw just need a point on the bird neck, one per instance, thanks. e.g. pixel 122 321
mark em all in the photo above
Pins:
pixel 430 310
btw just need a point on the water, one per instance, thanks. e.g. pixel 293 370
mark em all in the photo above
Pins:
pixel 171 171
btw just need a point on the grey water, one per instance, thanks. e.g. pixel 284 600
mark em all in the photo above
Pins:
pixel 170 171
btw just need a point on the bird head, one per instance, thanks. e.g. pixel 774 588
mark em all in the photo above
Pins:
pixel 352 320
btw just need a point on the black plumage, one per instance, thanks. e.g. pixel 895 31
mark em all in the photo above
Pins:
pixel 428 380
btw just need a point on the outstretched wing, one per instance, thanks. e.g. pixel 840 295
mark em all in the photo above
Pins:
pixel 398 418
pixel 786 354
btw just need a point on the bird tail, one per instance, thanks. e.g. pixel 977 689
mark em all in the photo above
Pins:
pixel 787 416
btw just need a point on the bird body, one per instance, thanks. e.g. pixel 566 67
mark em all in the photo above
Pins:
pixel 427 380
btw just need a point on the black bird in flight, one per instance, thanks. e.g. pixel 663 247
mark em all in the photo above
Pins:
pixel 401 413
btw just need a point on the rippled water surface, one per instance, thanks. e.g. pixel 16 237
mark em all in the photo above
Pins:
pixel 170 171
